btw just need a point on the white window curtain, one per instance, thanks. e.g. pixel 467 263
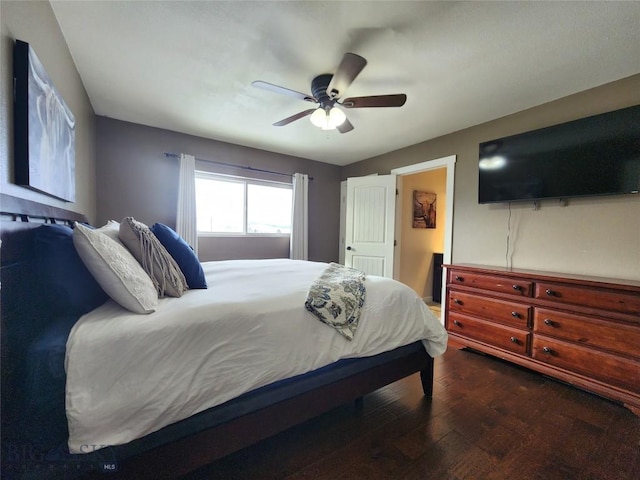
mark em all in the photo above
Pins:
pixel 299 247
pixel 186 215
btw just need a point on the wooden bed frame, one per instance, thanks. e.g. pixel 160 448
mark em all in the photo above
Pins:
pixel 19 218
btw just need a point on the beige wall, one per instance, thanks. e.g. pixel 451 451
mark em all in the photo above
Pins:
pixel 34 22
pixel 597 236
pixel 419 244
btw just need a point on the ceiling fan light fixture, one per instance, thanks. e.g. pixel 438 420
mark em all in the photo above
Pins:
pixel 328 120
pixel 320 118
pixel 336 117
pixel 327 90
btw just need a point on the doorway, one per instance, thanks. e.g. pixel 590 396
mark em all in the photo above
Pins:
pixel 446 216
pixel 447 163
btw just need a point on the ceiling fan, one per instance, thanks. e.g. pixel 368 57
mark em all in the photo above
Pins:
pixel 327 91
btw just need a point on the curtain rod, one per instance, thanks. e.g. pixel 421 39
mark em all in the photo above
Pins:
pixel 175 155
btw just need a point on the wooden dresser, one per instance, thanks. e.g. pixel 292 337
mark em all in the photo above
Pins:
pixel 581 330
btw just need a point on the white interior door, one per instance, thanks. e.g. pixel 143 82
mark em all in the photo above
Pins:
pixel 370 224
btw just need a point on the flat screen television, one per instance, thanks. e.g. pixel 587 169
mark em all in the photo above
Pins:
pixel 598 155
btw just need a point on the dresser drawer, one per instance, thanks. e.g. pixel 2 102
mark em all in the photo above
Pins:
pixel 502 311
pixel 589 297
pixel 507 338
pixel 491 282
pixel 588 331
pixel 620 371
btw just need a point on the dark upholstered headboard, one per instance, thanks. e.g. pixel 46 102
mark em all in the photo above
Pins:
pixel 23 311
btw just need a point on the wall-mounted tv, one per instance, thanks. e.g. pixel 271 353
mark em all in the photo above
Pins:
pixel 598 155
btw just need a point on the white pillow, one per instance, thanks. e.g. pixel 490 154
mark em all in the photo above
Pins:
pixel 111 229
pixel 115 269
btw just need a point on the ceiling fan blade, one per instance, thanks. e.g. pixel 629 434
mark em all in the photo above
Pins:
pixel 349 68
pixel 293 118
pixel 396 100
pixel 286 91
pixel 345 126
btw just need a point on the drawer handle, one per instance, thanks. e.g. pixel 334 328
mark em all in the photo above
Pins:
pixel 457 301
pixel 547 350
pixel 515 340
pixel 517 288
pixel 550 292
pixel 515 315
pixel 456 323
pixel 549 322
pixel 459 278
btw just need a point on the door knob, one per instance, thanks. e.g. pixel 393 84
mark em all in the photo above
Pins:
pixel 349 248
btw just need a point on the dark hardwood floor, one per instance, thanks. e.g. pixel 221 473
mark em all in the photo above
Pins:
pixel 487 420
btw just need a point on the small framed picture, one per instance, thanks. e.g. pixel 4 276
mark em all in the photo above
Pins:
pixel 424 209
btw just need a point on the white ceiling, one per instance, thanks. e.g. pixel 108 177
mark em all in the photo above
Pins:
pixel 188 66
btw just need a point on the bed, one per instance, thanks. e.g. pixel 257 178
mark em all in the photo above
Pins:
pixel 35 426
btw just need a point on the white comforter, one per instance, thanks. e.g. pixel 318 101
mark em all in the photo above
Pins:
pixel 129 375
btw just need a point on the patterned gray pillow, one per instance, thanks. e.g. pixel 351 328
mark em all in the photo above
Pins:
pixel 154 258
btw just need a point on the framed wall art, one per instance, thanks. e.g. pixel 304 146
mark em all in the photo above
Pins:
pixel 44 129
pixel 424 209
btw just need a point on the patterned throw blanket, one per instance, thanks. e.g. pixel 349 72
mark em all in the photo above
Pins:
pixel 336 298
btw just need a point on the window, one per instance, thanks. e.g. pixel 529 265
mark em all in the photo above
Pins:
pixel 240 206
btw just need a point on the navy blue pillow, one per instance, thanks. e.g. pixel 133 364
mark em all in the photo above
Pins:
pixel 182 253
pixel 67 285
